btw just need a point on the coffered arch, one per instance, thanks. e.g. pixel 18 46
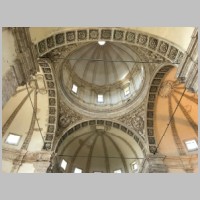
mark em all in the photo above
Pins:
pixel 171 51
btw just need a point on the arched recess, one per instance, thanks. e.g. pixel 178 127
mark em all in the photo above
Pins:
pixel 164 95
pixel 162 47
pixel 182 120
pixel 152 96
pixel 106 130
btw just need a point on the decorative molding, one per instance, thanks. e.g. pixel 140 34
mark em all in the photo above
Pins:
pixel 154 164
pixel 29 157
pixel 135 120
pixel 53 102
pixel 18 157
pixel 154 90
pixel 107 124
pixel 68 116
pixel 170 51
pixel 26 53
pixel 166 88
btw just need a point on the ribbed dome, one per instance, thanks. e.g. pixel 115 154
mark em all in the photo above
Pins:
pixel 94 149
pixel 95 62
pixel 105 77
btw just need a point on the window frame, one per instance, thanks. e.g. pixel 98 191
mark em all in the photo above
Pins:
pixel 76 88
pixel 61 164
pixel 117 172
pixel 132 168
pixel 102 98
pixel 13 135
pixel 78 169
pixel 191 150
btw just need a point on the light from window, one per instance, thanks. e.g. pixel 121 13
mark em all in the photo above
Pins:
pixel 101 42
pixel 134 166
pixel 13 139
pixel 74 88
pixel 191 145
pixel 77 170
pixel 126 91
pixel 100 98
pixel 118 171
pixel 63 164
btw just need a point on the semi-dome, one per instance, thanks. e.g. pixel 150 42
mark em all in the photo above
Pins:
pixel 98 148
pixel 102 77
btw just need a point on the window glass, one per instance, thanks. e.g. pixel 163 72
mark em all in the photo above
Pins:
pixel 63 164
pixel 74 88
pixel 191 145
pixel 13 139
pixel 100 98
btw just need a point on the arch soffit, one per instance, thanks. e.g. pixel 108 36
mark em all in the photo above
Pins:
pixel 152 96
pixel 107 123
pixel 165 48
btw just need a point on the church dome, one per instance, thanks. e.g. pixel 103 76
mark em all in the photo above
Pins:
pixel 103 65
pixel 102 77
pixel 99 148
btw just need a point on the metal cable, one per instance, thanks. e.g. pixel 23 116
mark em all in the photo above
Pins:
pixel 102 60
pixel 34 112
pixel 169 122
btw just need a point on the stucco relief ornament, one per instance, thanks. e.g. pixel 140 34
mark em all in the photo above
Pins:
pixel 67 116
pixel 138 124
pixel 64 121
pixel 135 121
pixel 166 88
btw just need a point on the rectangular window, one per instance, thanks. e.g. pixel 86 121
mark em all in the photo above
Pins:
pixel 191 145
pixel 100 98
pixel 126 91
pixel 134 166
pixel 74 88
pixel 118 171
pixel 77 170
pixel 63 164
pixel 13 139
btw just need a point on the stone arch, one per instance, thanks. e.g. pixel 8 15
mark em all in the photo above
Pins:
pixel 112 123
pixel 162 47
pixel 49 76
pixel 106 123
pixel 152 96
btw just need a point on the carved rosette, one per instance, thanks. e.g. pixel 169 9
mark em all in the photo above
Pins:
pixel 167 87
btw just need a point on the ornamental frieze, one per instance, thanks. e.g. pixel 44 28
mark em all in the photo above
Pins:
pixel 67 116
pixel 135 120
